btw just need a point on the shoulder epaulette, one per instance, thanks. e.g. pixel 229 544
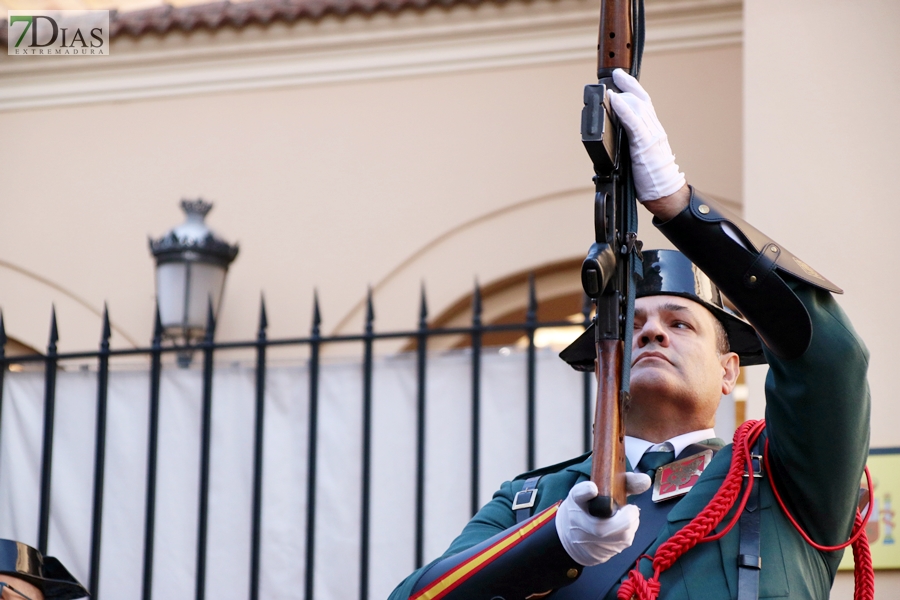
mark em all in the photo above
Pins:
pixel 553 468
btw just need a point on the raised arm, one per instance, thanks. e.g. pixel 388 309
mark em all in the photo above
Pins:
pixel 817 410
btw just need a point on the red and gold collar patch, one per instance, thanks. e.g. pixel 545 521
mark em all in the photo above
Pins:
pixel 677 478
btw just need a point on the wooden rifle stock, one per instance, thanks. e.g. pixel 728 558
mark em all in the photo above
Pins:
pixel 608 466
pixel 605 273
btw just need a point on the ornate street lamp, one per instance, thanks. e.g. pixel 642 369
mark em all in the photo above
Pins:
pixel 191 263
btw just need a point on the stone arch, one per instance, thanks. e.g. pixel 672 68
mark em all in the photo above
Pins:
pixel 533 234
pixel 26 312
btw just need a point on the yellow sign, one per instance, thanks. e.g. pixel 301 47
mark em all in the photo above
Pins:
pixel 884 537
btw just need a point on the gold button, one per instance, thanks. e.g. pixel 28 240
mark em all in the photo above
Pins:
pixel 753 279
pixel 704 209
pixel 572 573
pixel 774 248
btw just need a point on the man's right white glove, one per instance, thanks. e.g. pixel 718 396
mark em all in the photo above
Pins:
pixel 590 540
pixel 653 165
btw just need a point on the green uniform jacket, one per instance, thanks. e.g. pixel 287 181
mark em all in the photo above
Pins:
pixel 817 416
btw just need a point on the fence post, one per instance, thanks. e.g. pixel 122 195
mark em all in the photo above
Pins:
pixel 421 357
pixel 152 444
pixel 314 343
pixel 258 448
pixel 3 363
pixel 99 454
pixel 587 377
pixel 366 450
pixel 47 450
pixel 476 395
pixel 206 441
pixel 530 326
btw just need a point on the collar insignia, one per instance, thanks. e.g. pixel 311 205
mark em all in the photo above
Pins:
pixel 677 478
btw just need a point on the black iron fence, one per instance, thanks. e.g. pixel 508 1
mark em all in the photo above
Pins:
pixel 207 348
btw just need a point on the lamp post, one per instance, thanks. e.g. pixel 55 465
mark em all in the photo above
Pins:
pixel 191 263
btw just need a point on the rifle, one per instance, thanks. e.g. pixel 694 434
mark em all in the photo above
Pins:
pixel 607 274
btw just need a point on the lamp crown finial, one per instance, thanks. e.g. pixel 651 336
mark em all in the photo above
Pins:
pixel 193 240
pixel 196 207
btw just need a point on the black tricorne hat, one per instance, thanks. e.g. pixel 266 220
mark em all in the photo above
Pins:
pixel 670 273
pixel 46 573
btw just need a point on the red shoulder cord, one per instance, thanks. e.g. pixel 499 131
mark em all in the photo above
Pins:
pixel 636 586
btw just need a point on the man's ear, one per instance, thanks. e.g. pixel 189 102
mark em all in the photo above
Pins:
pixel 731 366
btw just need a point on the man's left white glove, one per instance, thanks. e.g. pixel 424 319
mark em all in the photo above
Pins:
pixel 590 540
pixel 653 165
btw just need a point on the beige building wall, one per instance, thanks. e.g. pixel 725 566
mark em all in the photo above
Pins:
pixel 437 147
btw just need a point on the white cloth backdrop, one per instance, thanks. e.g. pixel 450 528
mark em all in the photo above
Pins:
pixel 559 436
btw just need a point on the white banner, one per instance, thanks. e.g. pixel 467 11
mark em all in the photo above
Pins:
pixel 503 442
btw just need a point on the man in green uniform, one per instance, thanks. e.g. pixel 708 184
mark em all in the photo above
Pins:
pixel 25 574
pixel 535 538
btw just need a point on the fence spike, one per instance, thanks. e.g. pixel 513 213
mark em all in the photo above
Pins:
pixel 423 309
pixel 157 327
pixel 263 319
pixel 476 304
pixel 54 332
pixel 531 313
pixel 370 311
pixel 107 331
pixel 210 321
pixel 317 316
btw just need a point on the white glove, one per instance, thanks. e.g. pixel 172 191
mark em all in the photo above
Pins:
pixel 590 540
pixel 655 173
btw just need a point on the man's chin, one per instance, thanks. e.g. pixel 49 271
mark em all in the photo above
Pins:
pixel 647 379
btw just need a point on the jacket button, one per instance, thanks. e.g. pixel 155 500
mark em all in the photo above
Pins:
pixel 572 573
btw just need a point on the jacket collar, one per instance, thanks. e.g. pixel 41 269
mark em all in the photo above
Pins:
pixel 584 467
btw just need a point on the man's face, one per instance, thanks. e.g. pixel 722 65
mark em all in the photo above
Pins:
pixel 21 586
pixel 675 361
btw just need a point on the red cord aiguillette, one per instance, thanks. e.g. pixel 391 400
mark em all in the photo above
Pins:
pixel 636 586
